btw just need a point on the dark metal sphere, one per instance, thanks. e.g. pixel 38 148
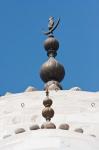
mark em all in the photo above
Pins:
pixel 48 113
pixel 47 102
pixel 48 125
pixel 52 70
pixel 51 44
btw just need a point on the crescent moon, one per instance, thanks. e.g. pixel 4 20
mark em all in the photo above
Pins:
pixel 50 31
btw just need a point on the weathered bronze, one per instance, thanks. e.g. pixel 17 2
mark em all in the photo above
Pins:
pixel 48 125
pixel 51 45
pixel 51 26
pixel 53 85
pixel 47 102
pixel 47 113
pixel 47 92
pixel 52 72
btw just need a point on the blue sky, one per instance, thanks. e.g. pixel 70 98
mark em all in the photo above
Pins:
pixel 21 42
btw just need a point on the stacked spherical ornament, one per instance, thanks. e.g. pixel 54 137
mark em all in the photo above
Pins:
pixel 52 70
pixel 47 113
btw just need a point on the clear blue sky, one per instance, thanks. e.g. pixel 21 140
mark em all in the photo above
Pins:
pixel 21 42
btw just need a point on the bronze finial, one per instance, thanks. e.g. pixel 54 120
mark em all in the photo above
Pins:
pixel 51 26
pixel 52 72
pixel 47 92
pixel 48 113
pixel 51 23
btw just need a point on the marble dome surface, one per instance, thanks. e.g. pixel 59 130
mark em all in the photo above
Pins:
pixel 78 109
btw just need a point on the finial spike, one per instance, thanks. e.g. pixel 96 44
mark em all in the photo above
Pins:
pixel 47 92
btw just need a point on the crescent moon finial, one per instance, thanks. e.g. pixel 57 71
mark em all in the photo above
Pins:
pixel 51 26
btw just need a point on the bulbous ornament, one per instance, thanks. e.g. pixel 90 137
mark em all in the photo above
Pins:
pixel 47 102
pixel 51 45
pixel 48 113
pixel 52 70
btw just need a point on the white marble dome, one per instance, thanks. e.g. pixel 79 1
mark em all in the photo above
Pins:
pixel 78 109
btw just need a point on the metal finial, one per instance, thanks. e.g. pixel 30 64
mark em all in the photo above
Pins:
pixel 51 23
pixel 52 72
pixel 51 26
pixel 48 113
pixel 47 92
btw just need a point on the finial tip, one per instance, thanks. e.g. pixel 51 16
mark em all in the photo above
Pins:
pixel 47 92
pixel 51 26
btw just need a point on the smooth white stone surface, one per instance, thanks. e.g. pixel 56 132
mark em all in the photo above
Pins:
pixel 79 109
